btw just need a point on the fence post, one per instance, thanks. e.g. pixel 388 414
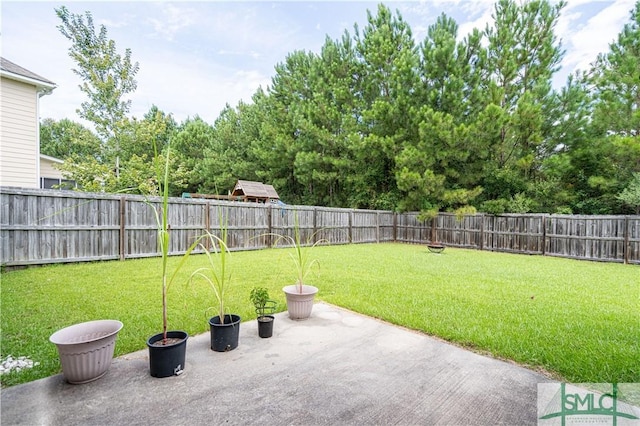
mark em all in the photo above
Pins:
pixel 207 223
pixel 489 234
pixel 482 231
pixel 269 240
pixel 207 219
pixel 395 227
pixel 434 234
pixel 377 227
pixel 625 248
pixel 350 230
pixel 544 234
pixel 123 210
pixel 315 224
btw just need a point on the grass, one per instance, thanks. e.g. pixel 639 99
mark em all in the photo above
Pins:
pixel 576 320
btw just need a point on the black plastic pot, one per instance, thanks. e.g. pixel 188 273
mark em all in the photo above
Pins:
pixel 167 360
pixel 224 337
pixel 265 326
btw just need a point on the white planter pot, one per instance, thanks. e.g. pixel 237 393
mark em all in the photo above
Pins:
pixel 300 304
pixel 86 349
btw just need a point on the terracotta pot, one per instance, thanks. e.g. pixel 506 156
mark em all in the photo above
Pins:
pixel 86 349
pixel 300 303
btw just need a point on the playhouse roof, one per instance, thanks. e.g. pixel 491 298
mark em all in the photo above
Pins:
pixel 251 189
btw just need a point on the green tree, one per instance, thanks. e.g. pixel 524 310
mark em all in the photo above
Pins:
pixel 325 162
pixel 441 167
pixel 65 138
pixel 138 137
pixel 229 156
pixel 433 172
pixel 188 148
pixel 136 173
pixel 386 80
pixel 560 176
pixel 107 78
pixel 603 163
pixel 137 176
pixel 451 71
pixel 284 132
pixel 271 134
pixel 615 79
pixel 631 194
pixel 522 56
pixel 90 174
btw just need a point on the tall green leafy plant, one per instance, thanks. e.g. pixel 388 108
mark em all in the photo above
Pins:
pixel 217 274
pixel 162 224
pixel 301 253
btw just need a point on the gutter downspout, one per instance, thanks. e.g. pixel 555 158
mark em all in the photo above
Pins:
pixel 43 91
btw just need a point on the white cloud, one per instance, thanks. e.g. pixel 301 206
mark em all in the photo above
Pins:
pixel 123 21
pixel 173 20
pixel 479 23
pixel 176 84
pixel 583 43
pixel 467 14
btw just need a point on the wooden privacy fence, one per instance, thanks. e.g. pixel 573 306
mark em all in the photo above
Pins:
pixel 48 226
pixel 602 238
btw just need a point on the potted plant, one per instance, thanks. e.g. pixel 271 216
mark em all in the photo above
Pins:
pixel 224 328
pixel 264 309
pixel 167 350
pixel 300 296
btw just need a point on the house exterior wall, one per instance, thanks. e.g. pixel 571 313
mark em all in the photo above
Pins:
pixel 19 141
pixel 48 169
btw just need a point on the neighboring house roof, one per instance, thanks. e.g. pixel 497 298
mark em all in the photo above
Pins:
pixel 15 72
pixel 52 159
pixel 253 189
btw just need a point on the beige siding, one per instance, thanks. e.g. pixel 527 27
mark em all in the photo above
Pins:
pixel 19 151
pixel 49 169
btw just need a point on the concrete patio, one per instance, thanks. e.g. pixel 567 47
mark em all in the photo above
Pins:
pixel 336 368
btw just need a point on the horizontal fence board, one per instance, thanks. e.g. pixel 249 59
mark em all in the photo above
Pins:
pixel 50 226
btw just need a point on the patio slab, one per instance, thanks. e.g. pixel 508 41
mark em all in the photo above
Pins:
pixel 336 368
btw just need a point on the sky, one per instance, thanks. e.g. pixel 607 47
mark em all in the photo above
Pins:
pixel 197 57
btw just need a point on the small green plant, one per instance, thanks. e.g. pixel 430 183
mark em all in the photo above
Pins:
pixel 260 298
pixel 217 274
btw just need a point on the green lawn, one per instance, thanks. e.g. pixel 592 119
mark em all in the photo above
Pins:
pixel 577 320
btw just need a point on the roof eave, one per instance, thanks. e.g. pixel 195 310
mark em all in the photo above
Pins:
pixel 43 87
pixel 50 158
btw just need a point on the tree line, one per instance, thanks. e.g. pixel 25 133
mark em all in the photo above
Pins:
pixel 378 120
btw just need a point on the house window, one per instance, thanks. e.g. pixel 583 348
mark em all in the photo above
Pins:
pixel 53 183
